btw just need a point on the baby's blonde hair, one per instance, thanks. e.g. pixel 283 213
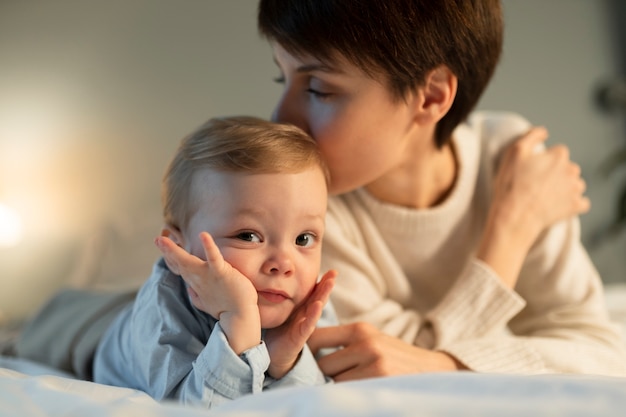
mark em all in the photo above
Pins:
pixel 238 144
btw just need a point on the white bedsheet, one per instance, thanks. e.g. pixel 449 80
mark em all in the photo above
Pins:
pixel 29 389
pixel 445 394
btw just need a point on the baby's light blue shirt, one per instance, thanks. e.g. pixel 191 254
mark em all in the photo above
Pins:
pixel 162 345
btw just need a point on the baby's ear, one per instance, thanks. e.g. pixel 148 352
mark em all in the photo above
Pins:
pixel 176 236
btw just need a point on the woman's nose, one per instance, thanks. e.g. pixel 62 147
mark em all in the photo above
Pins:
pixel 288 110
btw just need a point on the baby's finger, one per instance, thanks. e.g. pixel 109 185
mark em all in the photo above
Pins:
pixel 213 255
pixel 312 315
pixel 324 287
pixel 210 248
pixel 309 312
pixel 178 259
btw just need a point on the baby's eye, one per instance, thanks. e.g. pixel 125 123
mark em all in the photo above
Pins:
pixel 305 239
pixel 248 237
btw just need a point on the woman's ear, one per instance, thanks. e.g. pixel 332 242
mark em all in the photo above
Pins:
pixel 436 96
pixel 176 236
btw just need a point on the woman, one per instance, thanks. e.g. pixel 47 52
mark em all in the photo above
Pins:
pixel 458 254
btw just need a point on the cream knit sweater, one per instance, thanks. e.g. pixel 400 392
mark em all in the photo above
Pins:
pixel 414 275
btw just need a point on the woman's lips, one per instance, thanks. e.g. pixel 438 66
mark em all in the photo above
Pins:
pixel 273 296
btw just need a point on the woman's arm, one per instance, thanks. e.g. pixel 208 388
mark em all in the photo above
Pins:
pixel 480 304
pixel 533 189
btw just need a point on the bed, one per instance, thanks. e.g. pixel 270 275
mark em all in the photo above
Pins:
pixel 34 390
pixel 31 389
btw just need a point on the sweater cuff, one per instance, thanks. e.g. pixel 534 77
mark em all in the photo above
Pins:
pixel 512 356
pixel 478 304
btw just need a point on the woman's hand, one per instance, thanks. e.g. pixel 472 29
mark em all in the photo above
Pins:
pixel 218 289
pixel 366 352
pixel 533 189
pixel 285 342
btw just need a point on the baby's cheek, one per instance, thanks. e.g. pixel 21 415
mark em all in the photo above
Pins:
pixel 306 289
pixel 239 259
pixel 196 250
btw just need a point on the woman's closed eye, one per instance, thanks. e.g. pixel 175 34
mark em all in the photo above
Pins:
pixel 313 91
pixel 318 94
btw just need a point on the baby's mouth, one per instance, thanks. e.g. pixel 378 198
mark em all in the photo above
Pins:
pixel 273 296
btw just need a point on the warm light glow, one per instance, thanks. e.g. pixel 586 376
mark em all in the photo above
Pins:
pixel 10 226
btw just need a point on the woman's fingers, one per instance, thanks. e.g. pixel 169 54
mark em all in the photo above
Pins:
pixel 533 139
pixel 328 337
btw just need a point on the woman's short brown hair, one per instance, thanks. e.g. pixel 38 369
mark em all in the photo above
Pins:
pixel 398 41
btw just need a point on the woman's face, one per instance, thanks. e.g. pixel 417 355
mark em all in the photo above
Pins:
pixel 362 132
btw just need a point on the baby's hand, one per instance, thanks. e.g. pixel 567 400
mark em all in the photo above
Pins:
pixel 218 289
pixel 285 342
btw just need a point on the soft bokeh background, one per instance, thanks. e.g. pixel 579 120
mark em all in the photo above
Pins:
pixel 94 96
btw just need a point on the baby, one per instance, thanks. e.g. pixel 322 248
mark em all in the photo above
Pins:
pixel 244 203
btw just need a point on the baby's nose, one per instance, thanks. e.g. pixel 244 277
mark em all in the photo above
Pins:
pixel 280 263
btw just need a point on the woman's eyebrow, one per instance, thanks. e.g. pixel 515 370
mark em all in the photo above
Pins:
pixel 317 66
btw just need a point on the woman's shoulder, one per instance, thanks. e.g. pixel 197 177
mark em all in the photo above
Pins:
pixel 341 212
pixel 482 139
pixel 496 129
pixel 352 218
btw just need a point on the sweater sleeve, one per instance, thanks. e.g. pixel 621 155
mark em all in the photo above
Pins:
pixel 562 327
pixel 555 320
pixel 372 287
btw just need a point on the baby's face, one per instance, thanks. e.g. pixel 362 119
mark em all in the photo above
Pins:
pixel 267 226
